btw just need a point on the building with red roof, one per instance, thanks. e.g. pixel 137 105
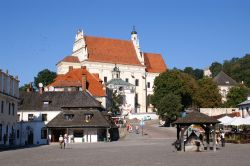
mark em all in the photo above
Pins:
pixel 100 55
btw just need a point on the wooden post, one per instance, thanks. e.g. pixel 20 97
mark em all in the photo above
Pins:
pixel 207 136
pixel 182 139
pixel 178 132
pixel 214 139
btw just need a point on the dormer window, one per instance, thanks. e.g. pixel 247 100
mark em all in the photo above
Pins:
pixel 227 82
pixel 88 117
pixel 68 116
pixel 46 102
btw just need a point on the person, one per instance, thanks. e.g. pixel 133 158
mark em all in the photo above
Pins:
pixel 137 129
pixel 61 141
pixel 65 140
pixel 222 135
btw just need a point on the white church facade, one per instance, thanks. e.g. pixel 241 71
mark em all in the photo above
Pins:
pixel 100 55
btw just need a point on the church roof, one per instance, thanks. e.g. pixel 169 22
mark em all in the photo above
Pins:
pixel 154 63
pixel 56 100
pixel 119 81
pixel 78 119
pixel 111 51
pixel 223 79
pixel 74 79
pixel 71 59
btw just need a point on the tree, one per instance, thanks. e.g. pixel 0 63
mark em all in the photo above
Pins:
pixel 196 73
pixel 25 87
pixel 116 102
pixel 207 95
pixel 236 95
pixel 215 68
pixel 169 107
pixel 45 77
pixel 176 83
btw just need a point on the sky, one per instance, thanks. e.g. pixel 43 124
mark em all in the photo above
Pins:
pixel 35 35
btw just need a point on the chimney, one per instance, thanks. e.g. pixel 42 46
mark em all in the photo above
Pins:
pixel 70 68
pixel 29 89
pixel 40 85
pixel 84 82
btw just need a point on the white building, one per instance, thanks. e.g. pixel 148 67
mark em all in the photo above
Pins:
pixel 245 107
pixel 9 95
pixel 100 55
pixel 224 83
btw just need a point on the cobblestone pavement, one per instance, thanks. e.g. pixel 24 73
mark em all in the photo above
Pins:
pixel 153 149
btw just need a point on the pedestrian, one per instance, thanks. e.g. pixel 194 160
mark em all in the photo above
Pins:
pixel 61 141
pixel 65 140
pixel 222 135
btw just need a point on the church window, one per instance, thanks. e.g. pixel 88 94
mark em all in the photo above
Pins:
pixel 126 79
pixel 44 117
pixel 105 79
pixel 148 84
pixel 43 133
pixel 30 117
pixel 136 82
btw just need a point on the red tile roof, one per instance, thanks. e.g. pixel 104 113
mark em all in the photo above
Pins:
pixel 111 51
pixel 154 63
pixel 74 79
pixel 72 59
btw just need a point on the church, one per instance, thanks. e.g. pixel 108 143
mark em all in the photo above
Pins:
pixel 101 55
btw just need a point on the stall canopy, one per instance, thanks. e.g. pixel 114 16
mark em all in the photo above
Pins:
pixel 226 120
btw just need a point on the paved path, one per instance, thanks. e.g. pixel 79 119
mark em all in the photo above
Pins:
pixel 149 150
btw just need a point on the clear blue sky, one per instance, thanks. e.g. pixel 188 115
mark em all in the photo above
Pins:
pixel 35 35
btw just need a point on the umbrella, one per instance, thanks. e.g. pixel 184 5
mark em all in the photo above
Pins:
pixel 226 120
pixel 237 121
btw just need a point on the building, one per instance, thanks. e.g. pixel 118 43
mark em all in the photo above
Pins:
pixel 245 107
pixel 224 83
pixel 80 79
pixel 100 55
pixel 45 116
pixel 9 96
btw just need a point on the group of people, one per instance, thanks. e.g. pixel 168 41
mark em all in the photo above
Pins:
pixel 63 140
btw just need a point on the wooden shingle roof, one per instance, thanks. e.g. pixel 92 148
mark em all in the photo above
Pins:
pixel 78 120
pixel 195 117
pixel 223 79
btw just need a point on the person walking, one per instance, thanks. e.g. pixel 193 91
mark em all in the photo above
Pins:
pixel 65 141
pixel 222 135
pixel 61 141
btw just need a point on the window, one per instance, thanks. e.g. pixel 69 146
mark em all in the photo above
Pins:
pixel 44 117
pixel 9 108
pixel 148 84
pixel 78 133
pixel 126 79
pixel 105 79
pixel 18 117
pixel 43 133
pixel 17 134
pixel 1 130
pixel 88 117
pixel 136 82
pixel 30 117
pixel 68 116
pixel 2 106
pixel 136 99
pixel 13 109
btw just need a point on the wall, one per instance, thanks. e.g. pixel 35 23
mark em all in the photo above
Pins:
pixel 218 111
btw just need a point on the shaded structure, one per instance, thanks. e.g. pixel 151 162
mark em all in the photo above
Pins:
pixel 195 118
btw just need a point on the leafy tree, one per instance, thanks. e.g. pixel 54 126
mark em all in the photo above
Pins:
pixel 196 73
pixel 236 95
pixel 45 77
pixel 207 95
pixel 116 102
pixel 176 83
pixel 25 87
pixel 215 68
pixel 169 107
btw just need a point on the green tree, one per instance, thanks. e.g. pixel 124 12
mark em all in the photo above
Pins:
pixel 215 68
pixel 25 87
pixel 207 95
pixel 196 73
pixel 45 77
pixel 236 95
pixel 169 107
pixel 116 102
pixel 174 82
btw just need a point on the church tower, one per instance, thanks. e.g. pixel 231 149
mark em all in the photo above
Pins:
pixel 135 40
pixel 80 47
